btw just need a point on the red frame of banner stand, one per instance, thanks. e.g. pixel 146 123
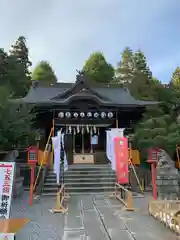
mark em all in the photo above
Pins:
pixel 153 160
pixel 32 161
pixel 122 162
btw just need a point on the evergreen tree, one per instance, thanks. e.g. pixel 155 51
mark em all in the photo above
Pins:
pixel 140 65
pixel 175 80
pixel 18 68
pixel 15 122
pixel 21 52
pixel 152 131
pixel 3 67
pixel 44 73
pixel 124 71
pixel 98 69
pixel 140 85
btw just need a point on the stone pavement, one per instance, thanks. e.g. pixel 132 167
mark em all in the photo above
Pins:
pixel 90 217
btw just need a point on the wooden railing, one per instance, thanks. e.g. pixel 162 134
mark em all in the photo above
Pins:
pixel 124 195
pixel 42 160
pixel 168 212
pixel 45 170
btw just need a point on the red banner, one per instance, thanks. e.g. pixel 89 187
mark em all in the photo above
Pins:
pixel 121 157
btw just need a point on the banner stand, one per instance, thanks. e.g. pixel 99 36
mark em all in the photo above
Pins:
pixel 61 197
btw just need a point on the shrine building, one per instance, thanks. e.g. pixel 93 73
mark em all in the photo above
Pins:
pixel 84 111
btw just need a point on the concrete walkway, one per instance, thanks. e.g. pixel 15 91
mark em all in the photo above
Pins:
pixel 90 217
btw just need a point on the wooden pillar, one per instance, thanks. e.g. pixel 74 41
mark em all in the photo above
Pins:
pixel 82 134
pixel 52 150
pixel 117 122
pixel 74 142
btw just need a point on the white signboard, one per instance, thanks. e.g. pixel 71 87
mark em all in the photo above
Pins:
pixel 6 184
pixel 6 236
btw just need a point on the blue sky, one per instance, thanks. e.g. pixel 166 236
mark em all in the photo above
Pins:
pixel 66 32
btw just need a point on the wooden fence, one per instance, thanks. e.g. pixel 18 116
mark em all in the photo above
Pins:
pixel 168 212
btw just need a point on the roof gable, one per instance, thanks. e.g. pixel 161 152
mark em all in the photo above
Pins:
pixel 80 88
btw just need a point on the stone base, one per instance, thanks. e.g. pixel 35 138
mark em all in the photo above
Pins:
pixel 168 186
pixel 18 187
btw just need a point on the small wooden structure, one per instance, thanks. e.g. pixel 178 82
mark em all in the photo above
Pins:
pixel 124 195
pixel 62 195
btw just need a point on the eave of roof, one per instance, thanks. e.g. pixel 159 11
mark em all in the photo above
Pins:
pixel 112 95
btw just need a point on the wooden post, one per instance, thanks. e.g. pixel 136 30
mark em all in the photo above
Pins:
pixel 82 132
pixel 117 122
pixel 74 143
pixel 129 201
pixel 153 174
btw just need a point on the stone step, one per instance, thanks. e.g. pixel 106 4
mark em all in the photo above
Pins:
pixel 82 184
pixel 80 180
pixel 81 189
pixel 73 174
pixel 83 179
pixel 83 175
pixel 87 167
pixel 54 194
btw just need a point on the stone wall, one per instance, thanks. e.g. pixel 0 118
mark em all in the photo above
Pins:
pixel 167 178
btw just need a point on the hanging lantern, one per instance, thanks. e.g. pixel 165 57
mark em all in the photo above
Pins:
pixel 60 114
pixel 68 114
pixel 110 114
pixel 96 115
pixel 103 114
pixel 89 114
pixel 75 114
pixel 82 114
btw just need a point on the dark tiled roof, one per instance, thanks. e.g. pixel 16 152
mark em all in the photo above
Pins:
pixel 106 94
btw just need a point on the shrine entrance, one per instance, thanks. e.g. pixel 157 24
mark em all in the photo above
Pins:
pixel 84 142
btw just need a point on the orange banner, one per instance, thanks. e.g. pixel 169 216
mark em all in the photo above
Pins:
pixel 121 157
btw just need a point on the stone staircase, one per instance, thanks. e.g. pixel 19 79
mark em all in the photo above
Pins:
pixel 83 179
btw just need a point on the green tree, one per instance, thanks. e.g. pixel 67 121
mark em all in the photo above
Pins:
pixel 21 52
pixel 44 72
pixel 3 67
pixel 98 69
pixel 175 80
pixel 15 122
pixel 140 65
pixel 141 83
pixel 152 130
pixel 124 70
pixel 18 68
pixel 155 80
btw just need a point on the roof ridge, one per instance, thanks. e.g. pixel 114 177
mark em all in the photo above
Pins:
pixel 70 84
